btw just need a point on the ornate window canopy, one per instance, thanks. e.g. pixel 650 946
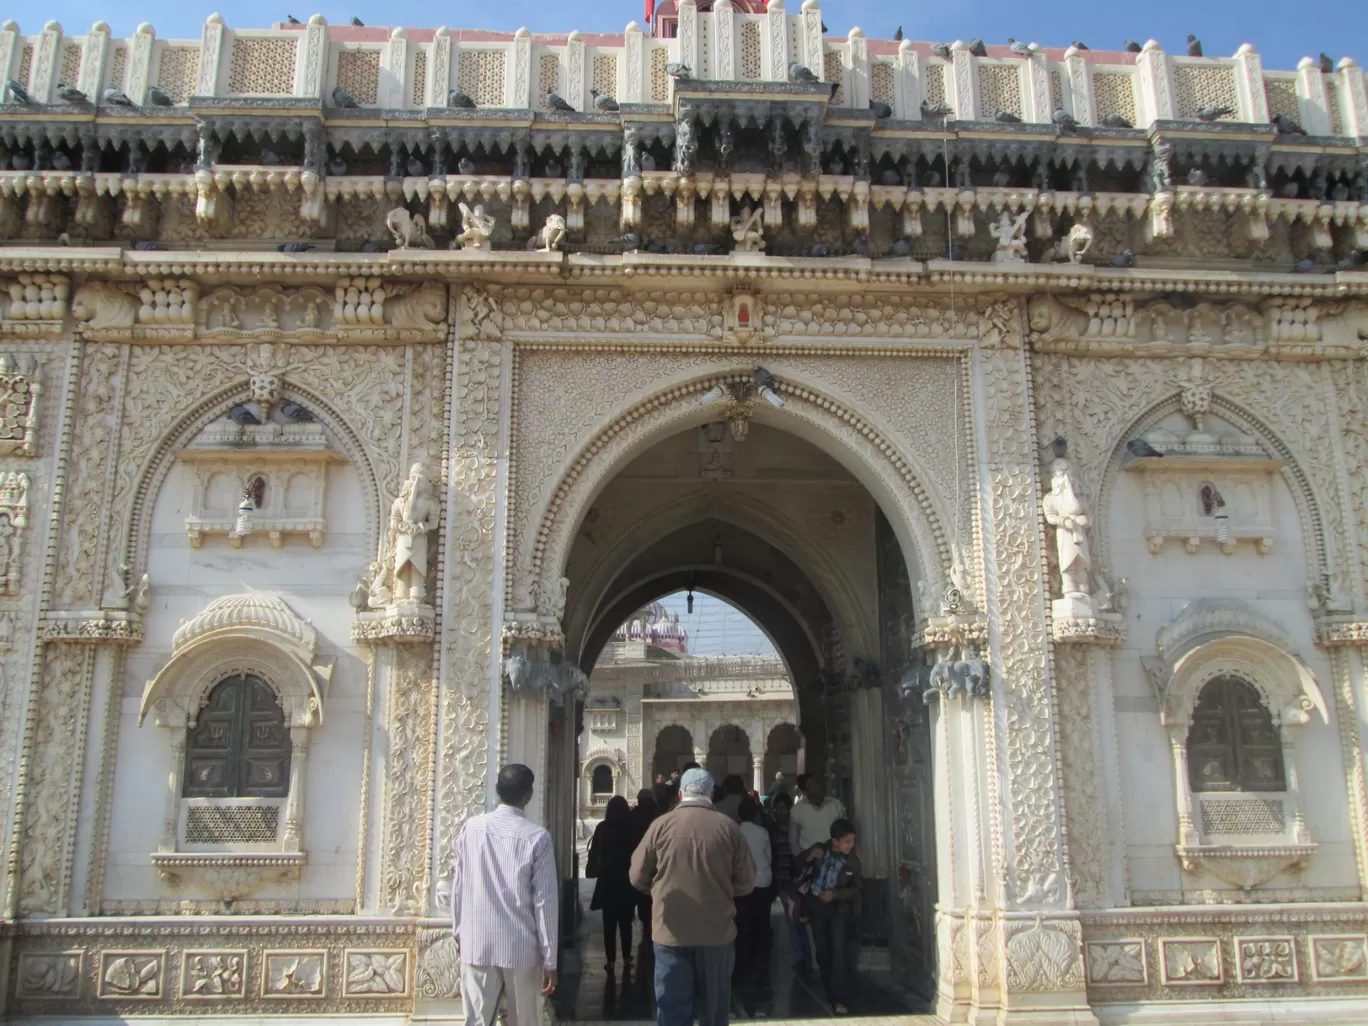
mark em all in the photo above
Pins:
pixel 249 633
pixel 1213 637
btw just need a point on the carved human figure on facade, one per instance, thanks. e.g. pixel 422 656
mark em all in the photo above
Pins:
pixel 1011 238
pixel 412 515
pixel 1066 513
pixel 476 228
pixel 747 230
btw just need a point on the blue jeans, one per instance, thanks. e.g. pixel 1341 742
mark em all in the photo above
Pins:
pixel 693 981
pixel 798 937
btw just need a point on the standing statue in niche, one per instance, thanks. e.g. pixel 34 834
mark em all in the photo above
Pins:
pixel 1065 512
pixel 412 516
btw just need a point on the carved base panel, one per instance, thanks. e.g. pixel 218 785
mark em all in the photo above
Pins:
pixel 1270 953
pixel 215 965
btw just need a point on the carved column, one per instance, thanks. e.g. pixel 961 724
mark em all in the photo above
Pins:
pixel 1080 88
pixel 1353 98
pixel 724 41
pixel 1249 81
pixel 857 73
pixel 635 84
pixel 1156 92
pixel 472 597
pixel 47 63
pixel 1039 936
pixel 1039 105
pixel 521 86
pixel 690 52
pixel 810 38
pixel 961 85
pixel 439 67
pixel 311 58
pixel 776 39
pixel 394 91
pixel 11 50
pixel 91 77
pixel 909 93
pixel 575 87
pixel 211 51
pixel 1311 99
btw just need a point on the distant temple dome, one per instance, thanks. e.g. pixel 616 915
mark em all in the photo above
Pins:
pixel 654 625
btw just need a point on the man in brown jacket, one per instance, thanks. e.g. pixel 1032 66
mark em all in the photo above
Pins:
pixel 694 862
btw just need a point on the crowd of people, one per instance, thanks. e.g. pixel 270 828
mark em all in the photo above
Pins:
pixel 700 866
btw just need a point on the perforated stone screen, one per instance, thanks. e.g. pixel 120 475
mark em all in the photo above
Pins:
pixel 751 63
pixel 1057 90
pixel 482 76
pixel 1242 816
pixel 832 72
pixel 26 65
pixel 660 81
pixel 232 824
pixel 1114 93
pixel 704 36
pixel 358 72
pixel 418 93
pixel 1281 96
pixel 70 72
pixel 178 71
pixel 1201 85
pixel 1000 88
pixel 934 82
pixel 605 74
pixel 1332 101
pixel 548 77
pixel 118 64
pixel 882 82
pixel 262 67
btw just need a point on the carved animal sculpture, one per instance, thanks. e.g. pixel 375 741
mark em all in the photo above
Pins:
pixel 1051 319
pixel 425 307
pixel 98 306
pixel 551 235
pixel 409 230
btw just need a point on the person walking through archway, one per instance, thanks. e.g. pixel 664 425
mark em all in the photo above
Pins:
pixel 504 908
pixel 695 863
pixel 609 862
pixel 645 813
pixel 832 905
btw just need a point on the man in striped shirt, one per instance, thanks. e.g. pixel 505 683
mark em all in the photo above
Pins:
pixel 504 908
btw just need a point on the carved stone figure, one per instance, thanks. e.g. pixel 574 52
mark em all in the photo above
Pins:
pixel 412 516
pixel 686 145
pixel 1065 512
pixel 1073 247
pixel 425 307
pixel 747 230
pixel 1051 319
pixel 552 235
pixel 142 598
pixel 1160 169
pixel 476 228
pixel 409 230
pixel 631 151
pixel 1011 238
pixel 99 305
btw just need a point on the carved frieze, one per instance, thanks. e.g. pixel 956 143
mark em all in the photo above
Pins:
pixel 34 305
pixel 213 975
pixel 358 310
pixel 376 973
pixel 14 510
pixel 20 386
pixel 131 975
pixel 294 974
pixel 1118 963
pixel 1191 961
pixel 47 975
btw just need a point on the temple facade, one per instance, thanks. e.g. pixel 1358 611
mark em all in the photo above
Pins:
pixel 357 384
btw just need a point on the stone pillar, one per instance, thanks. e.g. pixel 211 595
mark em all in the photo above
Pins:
pixel 575 87
pixel 810 39
pixel 758 772
pixel 1038 937
pixel 1039 104
pixel 1311 99
pixel 11 50
pixel 1250 85
pixel 690 53
pixel 870 776
pixel 394 91
pixel 776 39
pixel 635 87
pixel 47 62
pixel 1156 92
pixel 1353 98
pixel 211 52
pixel 521 86
pixel 909 93
pixel 311 59
pixel 439 67
pixel 857 70
pixel 91 78
pixel 1080 87
pixel 961 85
pixel 724 41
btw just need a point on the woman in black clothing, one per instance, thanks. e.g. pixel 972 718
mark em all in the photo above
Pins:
pixel 643 816
pixel 610 858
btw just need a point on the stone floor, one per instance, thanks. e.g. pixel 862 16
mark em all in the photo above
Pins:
pixel 590 994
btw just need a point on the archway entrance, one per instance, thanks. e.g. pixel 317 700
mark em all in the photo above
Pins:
pixel 729 754
pixel 779 529
pixel 674 749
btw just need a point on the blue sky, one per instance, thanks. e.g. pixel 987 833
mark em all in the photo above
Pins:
pixel 1281 32
pixel 717 628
